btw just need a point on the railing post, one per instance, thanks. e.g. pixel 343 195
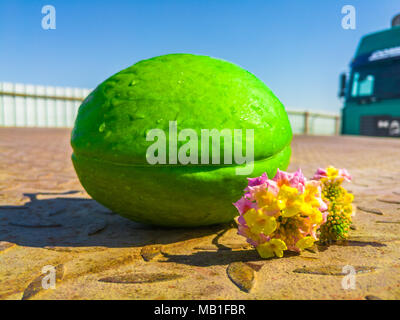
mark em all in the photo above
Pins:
pixel 306 116
pixel 337 125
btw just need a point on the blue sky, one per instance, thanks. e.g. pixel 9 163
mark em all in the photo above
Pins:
pixel 298 48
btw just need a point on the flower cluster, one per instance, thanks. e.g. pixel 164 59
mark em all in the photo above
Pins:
pixel 339 203
pixel 283 213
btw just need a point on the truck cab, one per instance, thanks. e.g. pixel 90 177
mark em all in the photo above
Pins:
pixel 371 90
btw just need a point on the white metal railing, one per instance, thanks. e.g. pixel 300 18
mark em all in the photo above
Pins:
pixel 314 123
pixel 23 105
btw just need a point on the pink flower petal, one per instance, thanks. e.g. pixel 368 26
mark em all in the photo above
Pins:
pixel 253 191
pixel 243 205
pixel 344 174
pixel 297 180
pixel 258 180
pixel 282 177
pixel 320 173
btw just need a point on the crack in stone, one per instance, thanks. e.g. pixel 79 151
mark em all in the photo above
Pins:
pixel 131 278
pixel 36 285
pixel 370 210
pixel 25 225
pixel 333 270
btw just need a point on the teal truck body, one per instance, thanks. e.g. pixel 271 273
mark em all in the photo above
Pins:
pixel 371 90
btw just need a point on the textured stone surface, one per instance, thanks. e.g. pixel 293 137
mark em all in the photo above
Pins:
pixel 370 210
pixel 150 252
pixel 46 218
pixel 242 275
pixel 332 270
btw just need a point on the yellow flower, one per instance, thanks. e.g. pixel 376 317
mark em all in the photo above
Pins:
pixel 290 201
pixel 304 243
pixel 315 216
pixel 348 198
pixel 268 202
pixel 271 248
pixel 332 173
pixel 311 195
pixel 307 209
pixel 258 222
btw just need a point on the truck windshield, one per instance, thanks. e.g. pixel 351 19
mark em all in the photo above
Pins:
pixel 375 81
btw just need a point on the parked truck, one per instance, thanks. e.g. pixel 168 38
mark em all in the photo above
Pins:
pixel 371 90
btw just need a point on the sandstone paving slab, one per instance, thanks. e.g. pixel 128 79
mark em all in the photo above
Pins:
pixel 47 218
